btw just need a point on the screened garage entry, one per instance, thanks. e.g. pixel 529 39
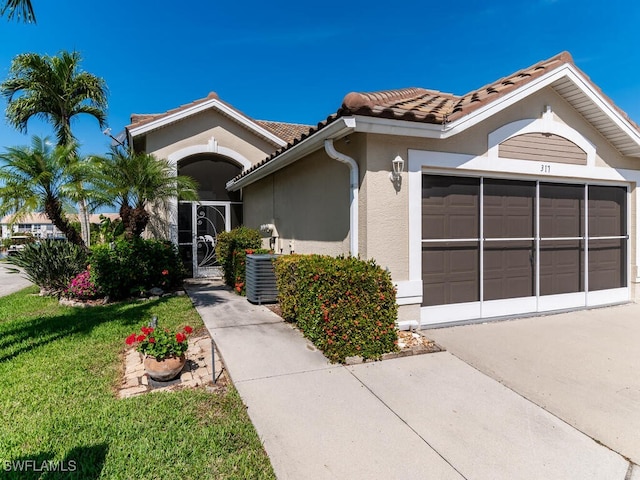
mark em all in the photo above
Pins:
pixel 494 247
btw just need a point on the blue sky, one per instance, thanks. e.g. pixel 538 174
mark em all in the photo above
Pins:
pixel 295 61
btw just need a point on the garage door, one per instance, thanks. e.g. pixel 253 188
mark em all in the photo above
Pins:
pixel 493 247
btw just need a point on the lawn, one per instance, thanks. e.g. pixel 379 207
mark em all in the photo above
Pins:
pixel 59 370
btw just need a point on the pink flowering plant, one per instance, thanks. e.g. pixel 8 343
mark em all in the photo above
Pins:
pixel 160 342
pixel 82 287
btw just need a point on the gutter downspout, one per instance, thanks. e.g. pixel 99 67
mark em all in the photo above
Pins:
pixel 354 177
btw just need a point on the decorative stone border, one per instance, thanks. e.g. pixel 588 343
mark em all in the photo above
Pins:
pixel 197 371
pixel 424 346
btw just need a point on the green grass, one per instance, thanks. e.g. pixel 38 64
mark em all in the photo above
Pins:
pixel 59 369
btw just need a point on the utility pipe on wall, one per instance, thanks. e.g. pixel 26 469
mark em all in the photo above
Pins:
pixel 354 178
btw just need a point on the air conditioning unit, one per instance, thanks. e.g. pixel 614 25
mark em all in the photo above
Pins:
pixel 261 279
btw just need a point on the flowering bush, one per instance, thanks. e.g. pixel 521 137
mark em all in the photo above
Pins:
pixel 159 342
pixel 81 286
pixel 345 306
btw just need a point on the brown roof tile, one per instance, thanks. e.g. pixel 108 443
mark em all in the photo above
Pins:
pixel 427 106
pixel 286 131
pixel 138 120
pixel 430 106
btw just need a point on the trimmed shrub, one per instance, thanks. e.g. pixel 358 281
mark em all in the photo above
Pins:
pixel 128 267
pixel 344 305
pixel 51 264
pixel 231 251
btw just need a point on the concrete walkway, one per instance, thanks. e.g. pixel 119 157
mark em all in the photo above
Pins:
pixel 428 416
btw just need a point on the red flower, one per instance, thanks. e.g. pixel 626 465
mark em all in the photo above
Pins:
pixel 152 340
pixel 165 272
pixel 131 339
pixel 140 338
pixel 146 330
pixel 188 329
pixel 180 337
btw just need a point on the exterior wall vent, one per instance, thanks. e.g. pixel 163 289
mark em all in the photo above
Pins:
pixel 261 279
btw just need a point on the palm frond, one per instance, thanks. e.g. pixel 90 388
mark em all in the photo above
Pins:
pixel 22 10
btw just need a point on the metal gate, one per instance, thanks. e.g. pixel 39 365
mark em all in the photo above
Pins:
pixel 198 227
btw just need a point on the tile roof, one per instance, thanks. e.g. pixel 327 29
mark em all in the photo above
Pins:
pixel 137 119
pixel 286 131
pixel 430 106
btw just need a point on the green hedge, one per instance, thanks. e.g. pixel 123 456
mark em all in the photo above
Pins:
pixel 231 251
pixel 128 267
pixel 345 306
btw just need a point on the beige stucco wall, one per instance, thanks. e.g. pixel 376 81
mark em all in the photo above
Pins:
pixel 200 128
pixel 308 202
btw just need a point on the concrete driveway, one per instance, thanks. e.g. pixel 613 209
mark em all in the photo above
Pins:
pixel 583 367
pixel 423 416
pixel 11 280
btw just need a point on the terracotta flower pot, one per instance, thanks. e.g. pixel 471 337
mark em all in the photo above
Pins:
pixel 165 369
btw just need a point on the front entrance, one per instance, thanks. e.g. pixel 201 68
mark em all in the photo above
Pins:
pixel 199 224
pixel 494 247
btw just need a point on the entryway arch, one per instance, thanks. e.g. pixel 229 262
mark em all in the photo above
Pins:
pixel 199 223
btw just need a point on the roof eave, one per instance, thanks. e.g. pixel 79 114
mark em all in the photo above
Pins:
pixel 335 130
pixel 582 84
pixel 212 103
pixel 587 91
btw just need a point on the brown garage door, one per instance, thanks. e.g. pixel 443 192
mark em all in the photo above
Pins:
pixel 508 233
pixel 607 237
pixel 561 238
pixel 450 232
pixel 491 239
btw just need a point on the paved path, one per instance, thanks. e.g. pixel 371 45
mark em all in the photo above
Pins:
pixel 582 366
pixel 428 416
pixel 10 280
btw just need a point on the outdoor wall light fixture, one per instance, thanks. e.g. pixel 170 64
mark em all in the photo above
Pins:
pixel 397 167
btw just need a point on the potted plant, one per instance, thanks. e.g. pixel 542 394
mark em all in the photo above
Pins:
pixel 163 349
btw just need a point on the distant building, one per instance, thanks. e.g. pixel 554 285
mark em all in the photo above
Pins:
pixel 39 225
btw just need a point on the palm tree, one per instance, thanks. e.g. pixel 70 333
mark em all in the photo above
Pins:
pixel 139 182
pixel 21 9
pixel 55 89
pixel 34 178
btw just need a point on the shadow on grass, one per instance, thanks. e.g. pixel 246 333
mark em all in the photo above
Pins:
pixel 26 335
pixel 84 463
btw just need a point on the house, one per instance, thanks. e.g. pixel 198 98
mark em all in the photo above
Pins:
pixel 39 225
pixel 519 197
